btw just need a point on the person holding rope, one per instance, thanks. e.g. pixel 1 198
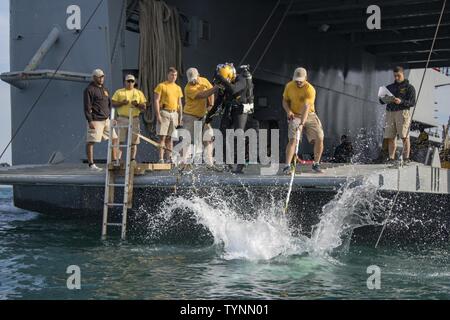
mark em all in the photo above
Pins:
pixel 398 116
pixel 199 94
pixel 125 99
pixel 298 101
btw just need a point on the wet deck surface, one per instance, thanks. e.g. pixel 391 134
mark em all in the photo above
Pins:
pixel 334 175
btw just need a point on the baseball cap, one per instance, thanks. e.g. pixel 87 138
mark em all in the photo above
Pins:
pixel 98 73
pixel 300 74
pixel 130 77
pixel 192 74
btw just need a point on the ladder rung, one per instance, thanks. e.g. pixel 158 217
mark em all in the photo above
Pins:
pixel 117 185
pixel 114 224
pixel 115 204
pixel 119 146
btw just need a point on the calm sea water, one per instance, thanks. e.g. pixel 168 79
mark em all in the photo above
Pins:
pixel 248 259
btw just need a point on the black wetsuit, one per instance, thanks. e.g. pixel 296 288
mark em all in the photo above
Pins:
pixel 232 100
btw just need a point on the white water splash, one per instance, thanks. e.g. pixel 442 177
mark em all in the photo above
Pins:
pixel 262 238
pixel 352 207
pixel 266 234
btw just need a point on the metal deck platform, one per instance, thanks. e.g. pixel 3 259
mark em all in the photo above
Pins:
pixel 412 178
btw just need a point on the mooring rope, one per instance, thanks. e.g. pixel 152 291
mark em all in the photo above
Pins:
pixel 160 48
pixel 260 32
pixel 409 127
pixel 297 145
pixel 50 80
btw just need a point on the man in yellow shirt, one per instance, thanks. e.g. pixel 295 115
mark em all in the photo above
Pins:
pixel 168 110
pixel 199 95
pixel 123 100
pixel 298 102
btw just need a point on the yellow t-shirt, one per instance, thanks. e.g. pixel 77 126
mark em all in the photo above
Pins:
pixel 298 97
pixel 170 96
pixel 196 107
pixel 130 95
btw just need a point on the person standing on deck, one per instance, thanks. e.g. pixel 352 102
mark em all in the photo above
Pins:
pixel 97 110
pixel 169 111
pixel 398 116
pixel 298 102
pixel 199 95
pixel 123 100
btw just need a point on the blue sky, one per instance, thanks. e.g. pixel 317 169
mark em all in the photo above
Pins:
pixel 443 94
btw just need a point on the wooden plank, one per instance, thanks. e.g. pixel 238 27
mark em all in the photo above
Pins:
pixel 162 166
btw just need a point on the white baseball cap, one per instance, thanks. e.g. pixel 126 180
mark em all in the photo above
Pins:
pixel 98 73
pixel 192 74
pixel 300 74
pixel 130 77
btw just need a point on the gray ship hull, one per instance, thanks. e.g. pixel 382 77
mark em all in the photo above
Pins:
pixel 420 212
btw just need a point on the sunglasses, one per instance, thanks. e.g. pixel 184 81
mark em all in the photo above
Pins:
pixel 130 81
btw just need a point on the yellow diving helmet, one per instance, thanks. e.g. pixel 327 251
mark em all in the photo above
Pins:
pixel 227 71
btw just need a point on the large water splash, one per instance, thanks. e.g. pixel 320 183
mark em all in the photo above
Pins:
pixel 266 233
pixel 351 208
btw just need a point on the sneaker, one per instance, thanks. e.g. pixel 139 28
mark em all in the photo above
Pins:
pixel 316 168
pixel 228 168
pixel 116 163
pixel 239 169
pixel 406 162
pixel 213 167
pixel 392 163
pixel 93 167
pixel 161 161
pixel 287 170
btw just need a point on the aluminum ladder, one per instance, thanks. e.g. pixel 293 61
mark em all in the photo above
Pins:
pixel 113 170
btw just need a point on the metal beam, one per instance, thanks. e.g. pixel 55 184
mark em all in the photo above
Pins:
pixel 317 6
pixel 384 37
pixel 407 47
pixel 360 16
pixel 416 57
pixel 397 24
pixel 45 47
pixel 433 64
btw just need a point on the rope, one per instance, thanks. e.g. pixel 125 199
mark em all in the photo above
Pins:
pixel 160 48
pixel 50 80
pixel 409 127
pixel 428 60
pixel 260 32
pixel 274 35
pixel 119 30
pixel 297 145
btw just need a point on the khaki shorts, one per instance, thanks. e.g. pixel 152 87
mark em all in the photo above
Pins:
pixel 189 124
pixel 123 132
pixel 312 127
pixel 397 123
pixel 169 122
pixel 101 131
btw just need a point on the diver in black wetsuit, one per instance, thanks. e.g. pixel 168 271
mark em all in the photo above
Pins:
pixel 235 101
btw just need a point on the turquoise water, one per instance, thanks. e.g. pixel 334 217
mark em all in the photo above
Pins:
pixel 247 260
